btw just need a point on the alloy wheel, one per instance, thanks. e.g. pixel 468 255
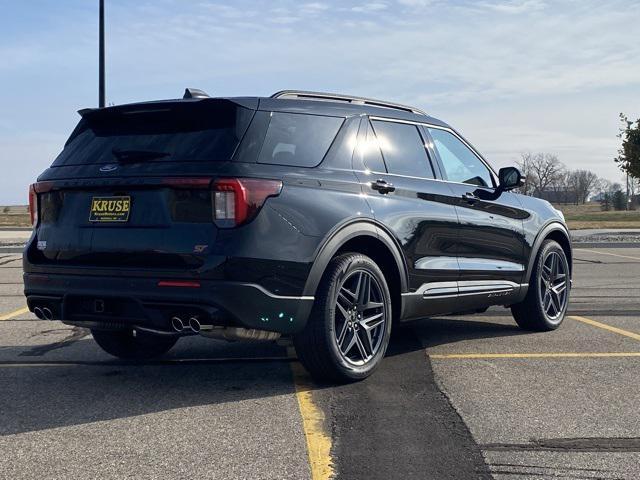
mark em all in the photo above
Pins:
pixel 360 317
pixel 553 286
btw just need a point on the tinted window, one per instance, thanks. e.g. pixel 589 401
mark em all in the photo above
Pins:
pixel 371 154
pixel 460 164
pixel 202 131
pixel 297 139
pixel 403 149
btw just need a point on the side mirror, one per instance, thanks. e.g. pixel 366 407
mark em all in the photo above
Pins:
pixel 510 178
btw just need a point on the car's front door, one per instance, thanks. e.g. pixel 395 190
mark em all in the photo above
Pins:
pixel 490 246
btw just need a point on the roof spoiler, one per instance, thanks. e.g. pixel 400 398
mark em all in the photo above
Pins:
pixel 196 97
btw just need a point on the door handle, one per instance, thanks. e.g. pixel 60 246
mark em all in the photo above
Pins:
pixel 382 186
pixel 470 198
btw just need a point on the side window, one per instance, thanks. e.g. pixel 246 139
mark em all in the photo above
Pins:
pixel 460 164
pixel 403 149
pixel 371 154
pixel 298 140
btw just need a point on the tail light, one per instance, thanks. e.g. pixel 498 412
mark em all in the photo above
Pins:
pixel 33 204
pixel 34 190
pixel 234 201
pixel 238 200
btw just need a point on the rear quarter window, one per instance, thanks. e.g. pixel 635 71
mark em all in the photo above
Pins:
pixel 297 139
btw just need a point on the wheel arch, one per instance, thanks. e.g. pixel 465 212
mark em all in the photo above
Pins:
pixel 552 231
pixel 371 239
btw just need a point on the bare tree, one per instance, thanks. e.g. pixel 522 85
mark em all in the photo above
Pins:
pixel 583 183
pixel 547 177
pixel 541 170
pixel 602 186
pixel 545 167
pixel 560 186
pixel 573 186
pixel 524 165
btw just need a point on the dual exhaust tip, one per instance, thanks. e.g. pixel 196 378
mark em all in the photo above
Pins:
pixel 179 325
pixel 43 313
pixel 193 324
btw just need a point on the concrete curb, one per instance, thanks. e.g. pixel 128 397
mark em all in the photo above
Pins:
pixel 606 245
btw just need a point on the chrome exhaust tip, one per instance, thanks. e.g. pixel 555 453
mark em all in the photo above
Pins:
pixel 38 313
pixel 46 312
pixel 194 324
pixel 177 324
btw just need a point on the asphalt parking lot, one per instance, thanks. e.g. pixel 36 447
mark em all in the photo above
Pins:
pixel 457 397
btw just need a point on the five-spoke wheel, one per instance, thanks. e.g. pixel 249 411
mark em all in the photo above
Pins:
pixel 359 317
pixel 348 331
pixel 547 298
pixel 553 285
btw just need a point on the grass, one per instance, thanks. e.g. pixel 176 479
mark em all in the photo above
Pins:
pixel 18 220
pixel 15 216
pixel 591 215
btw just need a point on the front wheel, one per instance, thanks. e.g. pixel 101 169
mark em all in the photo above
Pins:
pixel 133 345
pixel 545 305
pixel 348 330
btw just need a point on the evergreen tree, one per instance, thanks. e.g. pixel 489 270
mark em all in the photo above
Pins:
pixel 619 200
pixel 628 158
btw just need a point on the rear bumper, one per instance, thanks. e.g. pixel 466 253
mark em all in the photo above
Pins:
pixel 140 301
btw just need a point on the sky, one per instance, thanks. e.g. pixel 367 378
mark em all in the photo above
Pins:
pixel 512 76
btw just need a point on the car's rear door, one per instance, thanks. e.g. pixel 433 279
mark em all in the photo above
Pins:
pixel 490 246
pixel 399 179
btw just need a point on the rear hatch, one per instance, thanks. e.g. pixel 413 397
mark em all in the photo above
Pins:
pixel 132 186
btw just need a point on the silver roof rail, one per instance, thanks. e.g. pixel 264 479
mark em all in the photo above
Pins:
pixel 336 97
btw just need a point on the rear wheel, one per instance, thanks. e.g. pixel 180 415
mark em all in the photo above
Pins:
pixel 130 345
pixel 348 331
pixel 547 300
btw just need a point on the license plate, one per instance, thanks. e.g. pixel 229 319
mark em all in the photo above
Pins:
pixel 110 209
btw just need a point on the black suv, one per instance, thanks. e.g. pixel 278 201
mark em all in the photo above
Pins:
pixel 320 217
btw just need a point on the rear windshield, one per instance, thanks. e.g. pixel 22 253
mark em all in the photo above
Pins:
pixel 297 139
pixel 187 131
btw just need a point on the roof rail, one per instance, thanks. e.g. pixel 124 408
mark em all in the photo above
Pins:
pixel 336 97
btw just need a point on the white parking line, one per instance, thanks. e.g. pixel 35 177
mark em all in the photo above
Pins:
pixel 606 253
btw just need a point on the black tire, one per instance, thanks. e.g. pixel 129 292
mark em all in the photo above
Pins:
pixel 317 345
pixel 126 345
pixel 533 314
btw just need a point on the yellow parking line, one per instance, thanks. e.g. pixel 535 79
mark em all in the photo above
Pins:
pixel 14 314
pixel 604 326
pixel 533 355
pixel 318 442
pixel 606 253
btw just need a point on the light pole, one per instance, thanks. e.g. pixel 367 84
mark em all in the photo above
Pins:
pixel 101 95
pixel 628 199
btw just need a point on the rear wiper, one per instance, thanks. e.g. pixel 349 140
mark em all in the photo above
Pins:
pixel 132 156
